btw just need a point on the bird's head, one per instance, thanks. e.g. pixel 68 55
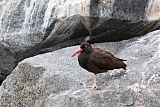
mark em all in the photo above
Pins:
pixel 85 47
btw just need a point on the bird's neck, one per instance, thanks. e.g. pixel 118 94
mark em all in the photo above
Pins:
pixel 83 59
pixel 88 50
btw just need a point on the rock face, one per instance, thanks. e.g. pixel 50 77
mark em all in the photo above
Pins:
pixel 32 27
pixel 53 79
pixel 7 61
pixel 24 24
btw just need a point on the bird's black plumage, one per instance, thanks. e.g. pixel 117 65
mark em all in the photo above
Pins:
pixel 96 60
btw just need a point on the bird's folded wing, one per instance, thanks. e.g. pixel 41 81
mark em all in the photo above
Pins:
pixel 103 60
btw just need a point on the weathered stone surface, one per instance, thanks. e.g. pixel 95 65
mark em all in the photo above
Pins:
pixel 53 79
pixel 20 23
pixel 21 20
pixel 7 61
pixel 42 79
pixel 32 27
pixel 68 32
pixel 130 10
pixel 74 30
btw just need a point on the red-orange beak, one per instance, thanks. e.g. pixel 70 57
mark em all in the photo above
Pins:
pixel 77 52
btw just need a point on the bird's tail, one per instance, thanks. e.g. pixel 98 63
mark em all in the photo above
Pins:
pixel 121 64
pixel 121 59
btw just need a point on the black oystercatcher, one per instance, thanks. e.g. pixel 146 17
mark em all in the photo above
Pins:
pixel 96 60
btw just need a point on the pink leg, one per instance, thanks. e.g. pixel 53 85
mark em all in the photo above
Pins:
pixel 94 82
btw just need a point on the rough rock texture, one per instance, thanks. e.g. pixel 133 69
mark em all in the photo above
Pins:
pixel 24 24
pixel 32 27
pixel 53 79
pixel 73 31
pixel 7 61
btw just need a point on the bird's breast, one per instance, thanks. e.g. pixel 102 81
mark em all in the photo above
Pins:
pixel 83 60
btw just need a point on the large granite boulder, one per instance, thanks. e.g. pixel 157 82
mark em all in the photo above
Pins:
pixel 53 79
pixel 32 27
pixel 25 24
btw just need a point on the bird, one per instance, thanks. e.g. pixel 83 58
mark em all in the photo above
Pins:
pixel 96 60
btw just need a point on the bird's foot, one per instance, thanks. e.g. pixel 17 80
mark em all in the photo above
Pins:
pixel 94 86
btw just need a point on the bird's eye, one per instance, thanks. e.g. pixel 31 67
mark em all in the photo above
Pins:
pixel 86 46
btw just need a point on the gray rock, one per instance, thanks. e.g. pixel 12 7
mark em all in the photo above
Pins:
pixel 32 27
pixel 21 22
pixel 131 9
pixel 53 79
pixel 7 61
pixel 24 24
pixel 35 75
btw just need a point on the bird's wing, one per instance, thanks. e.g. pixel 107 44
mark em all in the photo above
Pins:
pixel 104 60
